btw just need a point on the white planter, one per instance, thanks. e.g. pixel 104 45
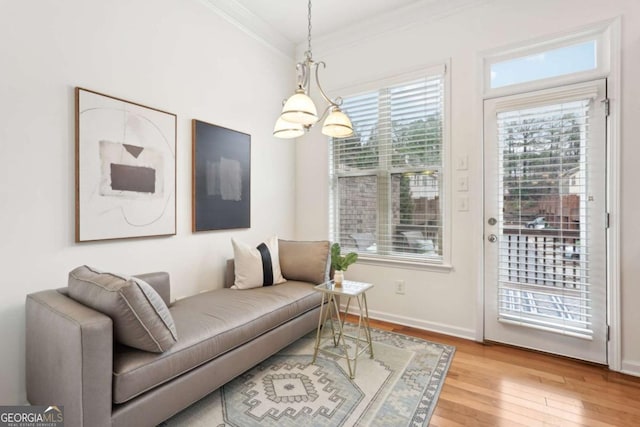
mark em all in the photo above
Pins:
pixel 338 277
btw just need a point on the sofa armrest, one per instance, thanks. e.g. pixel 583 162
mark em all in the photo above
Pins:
pixel 160 282
pixel 69 358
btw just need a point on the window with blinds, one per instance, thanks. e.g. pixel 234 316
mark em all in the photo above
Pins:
pixel 544 270
pixel 387 177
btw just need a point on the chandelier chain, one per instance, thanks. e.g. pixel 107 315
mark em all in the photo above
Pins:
pixel 309 31
pixel 299 111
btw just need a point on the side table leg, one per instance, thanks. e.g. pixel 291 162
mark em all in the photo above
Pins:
pixel 367 324
pixel 344 318
pixel 357 338
pixel 330 315
pixel 320 326
pixel 341 336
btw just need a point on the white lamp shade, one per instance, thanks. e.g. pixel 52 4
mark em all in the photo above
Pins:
pixel 286 130
pixel 337 124
pixel 299 108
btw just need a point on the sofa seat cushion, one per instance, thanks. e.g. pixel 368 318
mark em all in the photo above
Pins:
pixel 208 325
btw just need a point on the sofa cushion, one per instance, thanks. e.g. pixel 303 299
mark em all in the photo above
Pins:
pixel 305 261
pixel 160 283
pixel 210 324
pixel 256 266
pixel 140 317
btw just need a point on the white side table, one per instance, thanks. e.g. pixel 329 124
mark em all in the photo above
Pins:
pixel 331 312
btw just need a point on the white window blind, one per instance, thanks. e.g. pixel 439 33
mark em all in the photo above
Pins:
pixel 387 177
pixel 544 270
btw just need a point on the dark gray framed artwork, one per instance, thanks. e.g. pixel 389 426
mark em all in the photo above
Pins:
pixel 221 182
pixel 125 169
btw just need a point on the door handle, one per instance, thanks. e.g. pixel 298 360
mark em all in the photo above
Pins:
pixel 492 238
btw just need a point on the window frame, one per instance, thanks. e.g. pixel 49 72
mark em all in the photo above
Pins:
pixel 443 263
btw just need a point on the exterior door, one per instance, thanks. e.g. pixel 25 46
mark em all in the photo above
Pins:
pixel 545 221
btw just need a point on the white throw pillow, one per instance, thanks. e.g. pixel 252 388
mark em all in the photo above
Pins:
pixel 256 267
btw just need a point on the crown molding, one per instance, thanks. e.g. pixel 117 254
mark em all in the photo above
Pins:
pixel 251 24
pixel 402 19
pixel 418 13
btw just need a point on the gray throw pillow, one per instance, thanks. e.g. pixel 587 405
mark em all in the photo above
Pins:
pixel 140 317
pixel 305 261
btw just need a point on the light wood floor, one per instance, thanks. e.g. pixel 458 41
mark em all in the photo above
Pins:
pixel 496 385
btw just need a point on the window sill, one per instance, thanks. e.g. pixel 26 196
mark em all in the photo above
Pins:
pixel 389 261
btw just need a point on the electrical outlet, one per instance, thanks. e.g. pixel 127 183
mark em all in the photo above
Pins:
pixel 400 287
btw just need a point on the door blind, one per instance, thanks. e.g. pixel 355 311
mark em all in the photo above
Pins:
pixel 387 177
pixel 544 242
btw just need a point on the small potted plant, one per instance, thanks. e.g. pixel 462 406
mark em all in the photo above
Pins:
pixel 341 263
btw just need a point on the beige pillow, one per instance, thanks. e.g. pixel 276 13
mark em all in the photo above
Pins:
pixel 305 261
pixel 256 266
pixel 140 317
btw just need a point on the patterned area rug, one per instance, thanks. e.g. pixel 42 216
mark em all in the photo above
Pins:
pixel 398 387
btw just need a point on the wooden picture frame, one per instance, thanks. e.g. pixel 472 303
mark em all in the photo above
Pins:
pixel 221 178
pixel 125 169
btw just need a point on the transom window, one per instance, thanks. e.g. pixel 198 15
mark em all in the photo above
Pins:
pixel 542 65
pixel 387 179
pixel 567 59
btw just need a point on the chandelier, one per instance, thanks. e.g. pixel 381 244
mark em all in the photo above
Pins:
pixel 299 112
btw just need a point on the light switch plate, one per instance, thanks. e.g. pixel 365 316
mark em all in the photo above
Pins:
pixel 463 183
pixel 463 203
pixel 462 162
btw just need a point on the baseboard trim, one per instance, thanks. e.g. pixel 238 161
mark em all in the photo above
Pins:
pixel 440 328
pixel 631 368
pixel 628 367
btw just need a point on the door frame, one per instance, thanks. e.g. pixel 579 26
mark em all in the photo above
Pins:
pixel 595 347
pixel 613 177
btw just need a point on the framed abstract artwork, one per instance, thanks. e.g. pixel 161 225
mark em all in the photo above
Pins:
pixel 125 169
pixel 221 182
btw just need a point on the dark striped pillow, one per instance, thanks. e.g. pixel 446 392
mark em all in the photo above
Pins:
pixel 256 266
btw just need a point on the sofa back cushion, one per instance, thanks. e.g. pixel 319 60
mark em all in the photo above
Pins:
pixel 306 261
pixel 140 317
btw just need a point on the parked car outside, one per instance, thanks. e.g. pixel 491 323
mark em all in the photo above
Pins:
pixel 572 251
pixel 538 223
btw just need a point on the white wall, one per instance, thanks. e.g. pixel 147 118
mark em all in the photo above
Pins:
pixel 448 301
pixel 174 55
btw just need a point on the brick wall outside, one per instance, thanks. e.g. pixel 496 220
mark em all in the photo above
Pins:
pixel 358 210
